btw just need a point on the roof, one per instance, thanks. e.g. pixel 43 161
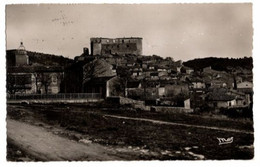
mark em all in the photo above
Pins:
pixel 196 80
pixel 220 97
pixel 239 98
pixel 245 82
pixel 217 81
pixel 164 83
pixel 21 47
pixel 218 90
pixel 161 66
pixel 236 92
pixel 98 68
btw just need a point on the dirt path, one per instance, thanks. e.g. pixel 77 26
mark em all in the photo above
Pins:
pixel 45 146
pixel 180 124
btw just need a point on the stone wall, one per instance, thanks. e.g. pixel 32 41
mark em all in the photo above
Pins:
pixel 170 109
pixel 123 100
pixel 127 101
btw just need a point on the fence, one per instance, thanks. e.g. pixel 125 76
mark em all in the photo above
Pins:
pixel 60 96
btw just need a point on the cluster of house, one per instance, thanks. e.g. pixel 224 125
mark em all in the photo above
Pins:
pixel 155 80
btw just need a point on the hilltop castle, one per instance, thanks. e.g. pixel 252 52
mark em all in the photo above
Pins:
pixel 120 46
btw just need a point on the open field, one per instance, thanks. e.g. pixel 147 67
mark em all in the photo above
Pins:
pixel 132 138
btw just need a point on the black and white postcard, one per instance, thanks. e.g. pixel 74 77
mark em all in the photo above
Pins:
pixel 129 82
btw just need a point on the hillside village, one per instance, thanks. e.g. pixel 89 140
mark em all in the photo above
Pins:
pixel 113 103
pixel 116 68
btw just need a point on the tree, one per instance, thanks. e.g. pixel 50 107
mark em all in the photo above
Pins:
pixel 169 59
pixel 235 82
pixel 10 84
pixel 42 80
pixel 46 81
pixel 124 75
pixel 17 83
pixel 37 82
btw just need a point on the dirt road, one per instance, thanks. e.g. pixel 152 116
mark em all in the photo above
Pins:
pixel 45 146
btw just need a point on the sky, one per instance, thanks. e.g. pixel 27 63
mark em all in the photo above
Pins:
pixel 180 31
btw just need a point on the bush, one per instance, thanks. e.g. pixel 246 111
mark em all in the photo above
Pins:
pixel 246 112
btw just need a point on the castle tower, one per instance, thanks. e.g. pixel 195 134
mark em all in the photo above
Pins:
pixel 21 57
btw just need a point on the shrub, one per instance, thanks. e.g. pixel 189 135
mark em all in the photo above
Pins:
pixel 245 112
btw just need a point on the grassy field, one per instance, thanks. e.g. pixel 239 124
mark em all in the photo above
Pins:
pixel 171 142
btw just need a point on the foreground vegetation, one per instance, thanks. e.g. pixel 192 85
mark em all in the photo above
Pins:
pixel 169 142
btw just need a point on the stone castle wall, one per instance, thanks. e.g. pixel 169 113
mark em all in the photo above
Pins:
pixel 120 46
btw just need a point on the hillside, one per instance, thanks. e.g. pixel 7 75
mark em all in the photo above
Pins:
pixel 220 64
pixel 48 59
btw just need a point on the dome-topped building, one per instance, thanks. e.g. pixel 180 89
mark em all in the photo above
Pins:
pixel 21 57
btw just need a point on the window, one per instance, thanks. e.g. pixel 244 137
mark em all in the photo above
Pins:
pixel 54 79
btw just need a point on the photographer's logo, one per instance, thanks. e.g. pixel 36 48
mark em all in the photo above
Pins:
pixel 225 141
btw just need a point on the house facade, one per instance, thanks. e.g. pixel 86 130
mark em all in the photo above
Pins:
pixel 34 80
